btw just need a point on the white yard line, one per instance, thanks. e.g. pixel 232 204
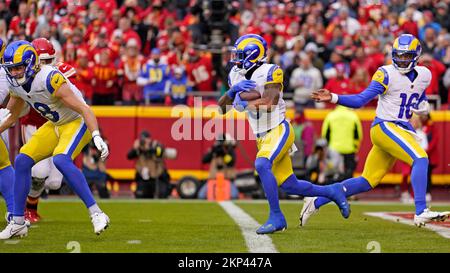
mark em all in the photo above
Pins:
pixel 443 231
pixel 255 243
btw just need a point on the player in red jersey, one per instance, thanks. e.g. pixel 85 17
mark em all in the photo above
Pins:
pixel 44 173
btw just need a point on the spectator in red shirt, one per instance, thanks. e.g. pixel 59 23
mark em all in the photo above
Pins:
pixel 85 74
pixel 103 83
pixel 437 71
pixel 200 71
pixel 102 43
pixel 107 5
pixel 128 32
pixel 360 62
pixel 24 18
pixel 359 81
pixel 129 69
pixel 410 26
pixel 341 82
pixel 375 57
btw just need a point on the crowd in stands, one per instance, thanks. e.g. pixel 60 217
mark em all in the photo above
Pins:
pixel 157 52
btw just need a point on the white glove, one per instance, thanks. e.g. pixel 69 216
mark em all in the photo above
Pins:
pixel 4 115
pixel 100 144
pixel 422 109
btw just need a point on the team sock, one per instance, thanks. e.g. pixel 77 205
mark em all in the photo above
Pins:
pixel 353 186
pixel 7 187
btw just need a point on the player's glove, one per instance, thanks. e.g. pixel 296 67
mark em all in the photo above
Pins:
pixel 4 115
pixel 100 144
pixel 422 108
pixel 239 104
pixel 245 85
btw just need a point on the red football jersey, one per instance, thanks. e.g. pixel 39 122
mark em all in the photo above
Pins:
pixel 200 73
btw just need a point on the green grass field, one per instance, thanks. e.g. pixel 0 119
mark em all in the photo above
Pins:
pixel 196 226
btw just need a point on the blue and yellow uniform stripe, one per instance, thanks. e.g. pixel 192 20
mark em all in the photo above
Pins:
pixel 275 145
pixel 390 142
pixel 69 139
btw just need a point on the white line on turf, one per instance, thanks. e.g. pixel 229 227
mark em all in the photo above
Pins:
pixel 255 243
pixel 443 231
pixel 144 220
pixel 134 242
pixel 12 242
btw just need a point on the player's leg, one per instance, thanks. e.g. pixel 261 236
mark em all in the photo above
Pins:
pixel 377 164
pixel 72 139
pixel 402 145
pixel 284 174
pixel 271 148
pixel 40 146
pixel 6 176
pixel 39 174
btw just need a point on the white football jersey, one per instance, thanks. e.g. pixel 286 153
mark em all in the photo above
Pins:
pixel 401 93
pixel 4 85
pixel 41 98
pixel 263 121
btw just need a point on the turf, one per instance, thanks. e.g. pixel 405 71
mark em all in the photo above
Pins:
pixel 191 226
pixel 159 227
pixel 329 232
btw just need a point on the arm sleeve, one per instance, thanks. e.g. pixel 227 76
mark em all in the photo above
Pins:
pixel 378 85
pixel 356 101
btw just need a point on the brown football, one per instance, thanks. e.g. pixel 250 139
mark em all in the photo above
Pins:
pixel 250 95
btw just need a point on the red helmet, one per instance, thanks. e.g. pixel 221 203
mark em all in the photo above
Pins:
pixel 44 49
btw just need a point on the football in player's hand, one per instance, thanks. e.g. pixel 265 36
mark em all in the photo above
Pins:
pixel 250 95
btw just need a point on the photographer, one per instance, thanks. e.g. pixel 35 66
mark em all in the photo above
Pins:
pixel 94 170
pixel 153 180
pixel 221 157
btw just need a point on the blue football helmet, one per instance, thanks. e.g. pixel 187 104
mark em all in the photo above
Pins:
pixel 405 52
pixel 249 50
pixel 20 53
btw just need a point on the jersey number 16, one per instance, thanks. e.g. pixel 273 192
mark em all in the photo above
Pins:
pixel 405 107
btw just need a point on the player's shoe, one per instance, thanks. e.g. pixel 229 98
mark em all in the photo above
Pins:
pixel 308 210
pixel 14 230
pixel 427 216
pixel 32 215
pixel 339 197
pixel 100 222
pixel 274 224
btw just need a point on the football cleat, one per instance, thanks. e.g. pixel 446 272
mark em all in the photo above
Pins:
pixel 274 224
pixel 14 230
pixel 308 210
pixel 32 216
pixel 427 216
pixel 100 222
pixel 340 199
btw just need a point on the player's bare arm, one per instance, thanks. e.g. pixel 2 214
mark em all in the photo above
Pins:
pixel 65 94
pixel 15 106
pixel 224 101
pixel 269 98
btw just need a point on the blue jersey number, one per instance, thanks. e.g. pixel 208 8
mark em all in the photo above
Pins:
pixel 405 107
pixel 46 112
